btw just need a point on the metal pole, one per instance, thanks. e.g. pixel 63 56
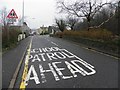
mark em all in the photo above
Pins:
pixel 23 11
pixel 22 19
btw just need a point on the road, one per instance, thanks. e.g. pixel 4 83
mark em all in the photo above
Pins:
pixel 10 61
pixel 57 63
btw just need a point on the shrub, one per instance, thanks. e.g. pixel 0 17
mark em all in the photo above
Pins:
pixel 97 34
pixel 11 38
pixel 98 38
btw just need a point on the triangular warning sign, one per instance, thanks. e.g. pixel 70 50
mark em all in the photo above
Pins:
pixel 12 14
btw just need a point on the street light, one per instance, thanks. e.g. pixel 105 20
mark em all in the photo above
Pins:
pixel 22 19
pixel 23 13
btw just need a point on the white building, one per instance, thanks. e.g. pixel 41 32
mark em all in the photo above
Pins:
pixel 42 30
pixel 25 29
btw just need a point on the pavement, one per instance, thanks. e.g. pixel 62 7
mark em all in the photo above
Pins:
pixel 56 63
pixel 10 61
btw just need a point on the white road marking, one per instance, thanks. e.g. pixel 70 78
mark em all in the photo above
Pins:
pixel 55 53
pixel 54 43
pixel 98 52
pixel 102 53
pixel 24 75
pixel 35 76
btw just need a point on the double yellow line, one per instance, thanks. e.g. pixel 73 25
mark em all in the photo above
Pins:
pixel 24 75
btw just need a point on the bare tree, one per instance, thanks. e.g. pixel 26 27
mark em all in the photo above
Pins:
pixel 111 12
pixel 87 9
pixel 61 24
pixel 3 15
pixel 104 16
pixel 71 21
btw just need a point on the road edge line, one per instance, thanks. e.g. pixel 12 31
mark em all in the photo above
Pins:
pixel 25 70
pixel 93 49
pixel 13 80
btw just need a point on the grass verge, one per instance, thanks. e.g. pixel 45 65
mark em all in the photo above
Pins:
pixel 101 39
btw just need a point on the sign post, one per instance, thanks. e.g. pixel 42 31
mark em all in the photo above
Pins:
pixel 12 16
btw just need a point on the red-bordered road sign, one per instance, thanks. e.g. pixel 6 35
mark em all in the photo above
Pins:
pixel 12 14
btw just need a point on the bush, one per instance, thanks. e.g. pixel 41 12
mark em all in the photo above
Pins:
pixel 14 34
pixel 97 38
pixel 11 38
pixel 97 34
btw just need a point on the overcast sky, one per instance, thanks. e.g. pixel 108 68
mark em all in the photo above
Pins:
pixel 37 12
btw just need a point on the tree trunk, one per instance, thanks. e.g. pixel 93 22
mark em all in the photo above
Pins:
pixel 88 25
pixel 72 28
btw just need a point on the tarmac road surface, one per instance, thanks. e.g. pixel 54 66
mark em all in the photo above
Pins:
pixel 56 63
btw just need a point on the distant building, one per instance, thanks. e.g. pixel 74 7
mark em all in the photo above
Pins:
pixel 25 29
pixel 53 30
pixel 43 30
